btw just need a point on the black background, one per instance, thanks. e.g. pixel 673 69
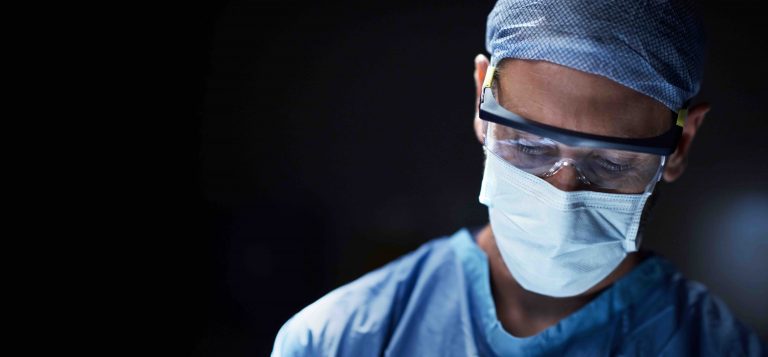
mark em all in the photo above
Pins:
pixel 302 145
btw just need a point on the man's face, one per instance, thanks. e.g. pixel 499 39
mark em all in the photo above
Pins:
pixel 559 96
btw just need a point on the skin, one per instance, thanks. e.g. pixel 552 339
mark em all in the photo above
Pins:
pixel 563 97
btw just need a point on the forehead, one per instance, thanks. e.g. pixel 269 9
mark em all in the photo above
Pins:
pixel 560 96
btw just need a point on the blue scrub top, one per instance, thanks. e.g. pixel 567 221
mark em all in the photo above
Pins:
pixel 436 301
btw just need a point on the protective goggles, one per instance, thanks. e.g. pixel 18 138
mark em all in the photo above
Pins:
pixel 597 169
pixel 601 162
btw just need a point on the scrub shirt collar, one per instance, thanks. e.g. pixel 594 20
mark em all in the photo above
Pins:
pixel 612 301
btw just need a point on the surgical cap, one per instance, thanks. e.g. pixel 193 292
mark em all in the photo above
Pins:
pixel 655 47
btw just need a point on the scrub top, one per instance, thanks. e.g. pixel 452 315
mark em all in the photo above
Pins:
pixel 436 301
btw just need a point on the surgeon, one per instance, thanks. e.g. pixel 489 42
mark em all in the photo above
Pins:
pixel 583 107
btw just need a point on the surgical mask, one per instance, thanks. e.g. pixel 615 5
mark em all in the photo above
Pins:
pixel 558 243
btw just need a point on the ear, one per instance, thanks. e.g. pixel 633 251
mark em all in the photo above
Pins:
pixel 679 159
pixel 481 67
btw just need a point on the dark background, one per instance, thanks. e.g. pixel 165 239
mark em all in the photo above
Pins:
pixel 313 143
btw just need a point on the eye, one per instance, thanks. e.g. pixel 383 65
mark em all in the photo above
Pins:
pixel 531 149
pixel 613 166
pixel 534 147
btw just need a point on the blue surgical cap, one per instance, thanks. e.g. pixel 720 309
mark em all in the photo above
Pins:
pixel 655 47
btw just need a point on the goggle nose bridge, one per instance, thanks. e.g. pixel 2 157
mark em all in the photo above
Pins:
pixel 566 162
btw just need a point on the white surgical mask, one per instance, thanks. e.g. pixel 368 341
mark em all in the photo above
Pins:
pixel 558 243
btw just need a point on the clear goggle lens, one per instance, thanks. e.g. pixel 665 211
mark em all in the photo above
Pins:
pixel 598 169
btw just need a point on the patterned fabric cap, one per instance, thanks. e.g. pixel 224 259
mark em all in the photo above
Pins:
pixel 655 47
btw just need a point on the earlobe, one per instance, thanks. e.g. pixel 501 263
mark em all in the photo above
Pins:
pixel 673 171
pixel 677 162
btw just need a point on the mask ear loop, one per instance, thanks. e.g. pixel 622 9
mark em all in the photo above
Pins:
pixel 657 177
pixel 634 245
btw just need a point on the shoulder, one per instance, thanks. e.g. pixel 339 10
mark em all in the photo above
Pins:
pixel 356 319
pixel 705 325
pixel 679 317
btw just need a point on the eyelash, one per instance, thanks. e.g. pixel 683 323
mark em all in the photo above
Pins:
pixel 528 149
pixel 612 166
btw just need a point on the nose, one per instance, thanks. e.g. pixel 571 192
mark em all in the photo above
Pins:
pixel 566 178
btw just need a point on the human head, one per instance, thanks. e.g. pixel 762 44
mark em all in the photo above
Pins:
pixel 595 67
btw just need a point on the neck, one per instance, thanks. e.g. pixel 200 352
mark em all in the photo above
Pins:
pixel 524 313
